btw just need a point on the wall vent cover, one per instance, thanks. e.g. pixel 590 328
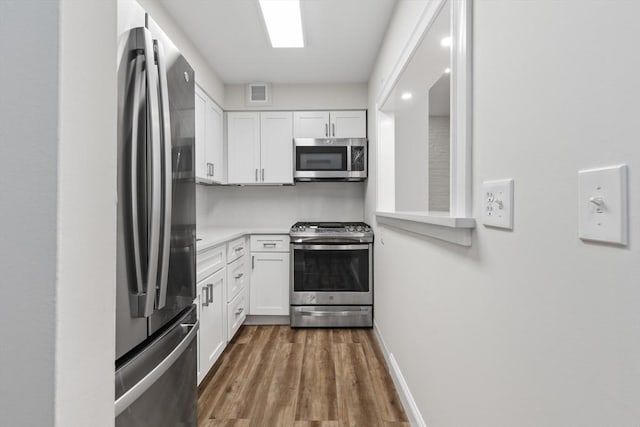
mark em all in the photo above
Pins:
pixel 258 94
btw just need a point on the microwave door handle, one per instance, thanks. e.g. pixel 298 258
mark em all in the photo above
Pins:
pixel 349 158
pixel 133 181
pixel 155 187
pixel 167 173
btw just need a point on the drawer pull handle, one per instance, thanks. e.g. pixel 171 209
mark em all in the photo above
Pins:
pixel 239 275
pixel 239 249
pixel 239 312
pixel 268 245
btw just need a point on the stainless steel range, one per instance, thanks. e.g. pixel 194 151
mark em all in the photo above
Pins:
pixel 331 274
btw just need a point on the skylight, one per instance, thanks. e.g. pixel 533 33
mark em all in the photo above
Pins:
pixel 283 21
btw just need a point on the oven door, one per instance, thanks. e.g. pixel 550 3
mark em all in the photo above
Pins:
pixel 328 274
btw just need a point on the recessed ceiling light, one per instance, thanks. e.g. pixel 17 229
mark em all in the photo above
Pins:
pixel 283 21
pixel 445 42
pixel 447 70
pixel 406 96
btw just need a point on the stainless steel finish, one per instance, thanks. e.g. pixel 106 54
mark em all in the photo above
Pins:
pixel 262 174
pixel 256 175
pixel 268 245
pixel 319 175
pixel 329 247
pixel 333 129
pixel 210 293
pixel 326 129
pixel 205 299
pixel 331 316
pixel 213 169
pixel 167 172
pixel 253 264
pixel 157 387
pixel 124 401
pixel 135 219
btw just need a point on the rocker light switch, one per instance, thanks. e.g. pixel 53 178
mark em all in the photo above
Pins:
pixel 602 206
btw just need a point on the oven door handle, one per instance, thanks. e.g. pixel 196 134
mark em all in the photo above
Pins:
pixel 330 247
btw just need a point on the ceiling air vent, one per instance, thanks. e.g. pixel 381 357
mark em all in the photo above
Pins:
pixel 258 94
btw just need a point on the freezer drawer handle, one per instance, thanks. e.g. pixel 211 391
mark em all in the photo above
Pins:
pixel 141 387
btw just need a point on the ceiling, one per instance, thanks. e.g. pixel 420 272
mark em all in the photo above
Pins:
pixel 342 39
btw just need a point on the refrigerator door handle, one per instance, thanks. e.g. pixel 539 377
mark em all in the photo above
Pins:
pixel 167 173
pixel 142 302
pixel 143 385
pixel 135 230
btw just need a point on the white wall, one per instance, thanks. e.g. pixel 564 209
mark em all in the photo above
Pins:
pixel 28 200
pixel 86 241
pixel 531 327
pixel 279 207
pixel 303 97
pixel 206 77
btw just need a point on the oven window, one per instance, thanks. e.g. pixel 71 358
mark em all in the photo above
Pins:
pixel 331 270
pixel 321 158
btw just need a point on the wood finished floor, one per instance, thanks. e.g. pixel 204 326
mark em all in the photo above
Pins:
pixel 277 376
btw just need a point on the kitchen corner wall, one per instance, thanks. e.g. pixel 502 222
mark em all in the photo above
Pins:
pixel 281 206
pixel 530 327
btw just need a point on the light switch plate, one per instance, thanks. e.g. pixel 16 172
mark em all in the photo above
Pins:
pixel 602 204
pixel 497 205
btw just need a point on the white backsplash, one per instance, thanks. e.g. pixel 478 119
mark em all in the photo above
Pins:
pixel 279 206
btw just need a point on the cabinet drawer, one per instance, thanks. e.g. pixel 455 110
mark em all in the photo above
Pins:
pixel 236 249
pixel 210 260
pixel 237 277
pixel 269 243
pixel 236 313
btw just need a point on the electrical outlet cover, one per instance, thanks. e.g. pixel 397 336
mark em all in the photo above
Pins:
pixel 497 203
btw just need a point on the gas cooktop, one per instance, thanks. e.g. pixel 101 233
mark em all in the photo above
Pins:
pixel 334 230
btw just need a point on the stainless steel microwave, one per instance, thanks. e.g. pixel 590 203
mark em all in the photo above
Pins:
pixel 326 159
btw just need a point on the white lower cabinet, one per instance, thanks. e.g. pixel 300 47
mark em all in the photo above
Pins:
pixel 236 313
pixel 269 275
pixel 212 336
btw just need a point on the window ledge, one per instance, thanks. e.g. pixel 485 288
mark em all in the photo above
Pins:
pixel 440 226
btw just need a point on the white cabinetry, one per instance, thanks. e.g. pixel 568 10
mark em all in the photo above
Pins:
pixel 211 312
pixel 210 165
pixel 237 285
pixel 260 147
pixel 330 124
pixel 269 275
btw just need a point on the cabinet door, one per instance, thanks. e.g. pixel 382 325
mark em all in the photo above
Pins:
pixel 348 124
pixel 311 124
pixel 269 283
pixel 237 277
pixel 202 172
pixel 276 147
pixel 243 148
pixel 212 319
pixel 214 138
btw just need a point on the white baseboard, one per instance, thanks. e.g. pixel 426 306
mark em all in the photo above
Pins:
pixel 410 407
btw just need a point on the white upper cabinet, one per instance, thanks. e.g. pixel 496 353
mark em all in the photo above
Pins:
pixel 330 124
pixel 260 147
pixel 210 165
pixel 276 148
pixel 311 124
pixel 348 124
pixel 243 148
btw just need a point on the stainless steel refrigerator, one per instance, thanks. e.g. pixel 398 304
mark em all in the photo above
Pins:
pixel 156 321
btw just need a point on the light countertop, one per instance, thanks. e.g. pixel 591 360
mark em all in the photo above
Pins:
pixel 213 236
